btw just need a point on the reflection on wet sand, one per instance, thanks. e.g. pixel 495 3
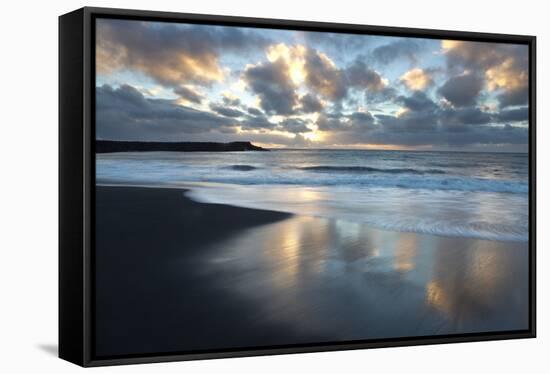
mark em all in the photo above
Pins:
pixel 346 281
pixel 405 253
pixel 485 286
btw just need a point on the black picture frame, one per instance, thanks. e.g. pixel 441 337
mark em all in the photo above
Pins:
pixel 77 182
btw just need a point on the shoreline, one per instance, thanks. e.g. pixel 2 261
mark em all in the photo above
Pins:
pixel 174 274
pixel 195 191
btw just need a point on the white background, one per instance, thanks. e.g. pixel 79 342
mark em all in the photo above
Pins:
pixel 28 184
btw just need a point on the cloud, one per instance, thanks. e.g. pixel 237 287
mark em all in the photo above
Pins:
pixel 398 49
pixel 505 67
pixel 361 119
pixel 462 55
pixel 290 68
pixel 416 129
pixel 254 111
pixel 409 122
pixel 293 57
pixel 256 122
pixel 514 97
pixel 123 113
pixel 226 111
pixel 513 115
pixel 417 79
pixel 336 122
pixel 172 55
pixel 335 42
pixel 231 100
pixel 271 82
pixel 324 77
pixel 438 138
pixel 189 94
pixel 294 125
pixel 462 90
pixel 424 122
pixel 418 101
pixel 333 122
pixel 254 84
pixel 310 104
pixel 455 119
pixel 360 75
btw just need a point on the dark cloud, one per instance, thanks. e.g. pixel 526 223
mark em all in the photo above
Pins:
pixel 513 115
pixel 504 66
pixel 440 137
pixel 125 114
pixel 417 101
pixel 323 77
pixel 257 122
pixel 514 97
pixel 294 125
pixel 398 49
pixel 270 81
pixel 464 116
pixel 426 123
pixel 356 121
pixel 421 114
pixel 310 104
pixel 360 75
pixel 334 83
pixel 409 122
pixel 333 122
pixel 361 119
pixel 226 111
pixel 231 101
pixel 188 94
pixel 462 90
pixel 254 111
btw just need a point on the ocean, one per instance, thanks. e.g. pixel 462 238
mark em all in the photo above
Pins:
pixel 476 195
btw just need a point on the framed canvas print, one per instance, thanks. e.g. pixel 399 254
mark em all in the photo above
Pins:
pixel 235 186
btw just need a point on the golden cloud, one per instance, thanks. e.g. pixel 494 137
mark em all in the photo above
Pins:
pixel 505 76
pixel 170 69
pixel 450 44
pixel 416 79
pixel 180 58
pixel 504 66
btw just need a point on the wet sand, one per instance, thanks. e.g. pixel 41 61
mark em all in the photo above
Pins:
pixel 176 275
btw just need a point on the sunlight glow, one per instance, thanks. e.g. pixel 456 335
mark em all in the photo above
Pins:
pixel 293 56
pixel 505 76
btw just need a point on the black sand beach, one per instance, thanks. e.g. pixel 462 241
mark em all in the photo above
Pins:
pixel 176 275
pixel 151 296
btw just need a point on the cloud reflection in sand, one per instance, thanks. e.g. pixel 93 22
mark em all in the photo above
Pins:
pixel 347 281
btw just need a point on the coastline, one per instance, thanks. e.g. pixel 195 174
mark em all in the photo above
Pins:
pixel 174 274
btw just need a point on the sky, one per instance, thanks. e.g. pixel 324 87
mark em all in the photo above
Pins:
pixel 284 88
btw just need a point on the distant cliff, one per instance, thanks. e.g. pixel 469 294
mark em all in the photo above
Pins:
pixel 107 146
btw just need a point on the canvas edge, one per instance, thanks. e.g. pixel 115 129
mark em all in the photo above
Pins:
pixel 71 258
